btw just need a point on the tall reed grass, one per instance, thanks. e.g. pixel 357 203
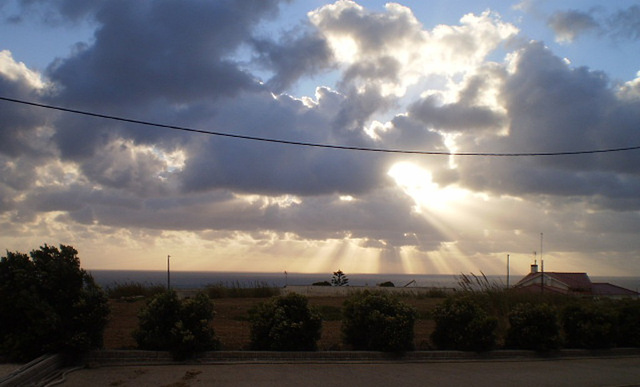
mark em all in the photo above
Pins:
pixel 235 289
pixel 132 290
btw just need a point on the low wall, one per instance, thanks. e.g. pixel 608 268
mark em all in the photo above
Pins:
pixel 340 291
pixel 33 372
pixel 106 358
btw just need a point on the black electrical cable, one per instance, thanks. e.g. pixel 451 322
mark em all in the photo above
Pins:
pixel 315 145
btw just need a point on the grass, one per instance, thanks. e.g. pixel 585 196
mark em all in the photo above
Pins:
pixel 234 300
pixel 330 312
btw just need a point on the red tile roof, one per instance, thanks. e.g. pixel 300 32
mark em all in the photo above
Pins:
pixel 607 289
pixel 576 282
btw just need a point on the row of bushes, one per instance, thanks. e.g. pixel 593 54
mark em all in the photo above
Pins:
pixel 378 321
pixel 381 322
pixel 464 323
pixel 370 321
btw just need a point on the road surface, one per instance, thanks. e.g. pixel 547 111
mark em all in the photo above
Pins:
pixel 564 372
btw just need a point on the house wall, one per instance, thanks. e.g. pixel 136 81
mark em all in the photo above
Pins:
pixel 548 281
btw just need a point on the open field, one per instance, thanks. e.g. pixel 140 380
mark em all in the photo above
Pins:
pixel 232 327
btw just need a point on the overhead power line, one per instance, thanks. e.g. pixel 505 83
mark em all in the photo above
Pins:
pixel 311 144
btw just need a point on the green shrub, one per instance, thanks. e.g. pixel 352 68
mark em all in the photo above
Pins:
pixel 321 283
pixel 387 284
pixel 183 328
pixel 48 304
pixel 589 326
pixel 533 326
pixel 378 322
pixel 285 323
pixel 629 323
pixel 462 324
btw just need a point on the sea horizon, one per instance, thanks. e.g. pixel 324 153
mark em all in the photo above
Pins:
pixel 199 279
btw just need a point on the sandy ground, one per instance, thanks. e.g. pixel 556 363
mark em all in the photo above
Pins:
pixel 570 372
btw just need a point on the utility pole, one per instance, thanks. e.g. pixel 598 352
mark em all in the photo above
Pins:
pixel 168 274
pixel 541 266
pixel 507 271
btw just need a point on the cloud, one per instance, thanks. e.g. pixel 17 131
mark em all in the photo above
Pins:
pixel 166 51
pixel 454 116
pixel 625 23
pixel 275 169
pixel 20 124
pixel 391 51
pixel 295 55
pixel 553 108
pixel 570 24
pixel 54 12
pixel 622 24
pixel 210 66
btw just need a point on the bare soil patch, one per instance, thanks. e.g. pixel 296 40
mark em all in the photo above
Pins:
pixel 231 323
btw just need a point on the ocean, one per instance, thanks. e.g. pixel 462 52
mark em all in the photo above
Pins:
pixel 199 279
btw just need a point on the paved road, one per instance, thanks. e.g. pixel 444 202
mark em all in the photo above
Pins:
pixel 568 372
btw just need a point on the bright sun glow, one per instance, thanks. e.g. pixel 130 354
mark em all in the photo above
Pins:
pixel 428 196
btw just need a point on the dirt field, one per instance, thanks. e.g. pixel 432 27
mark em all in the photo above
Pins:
pixel 232 328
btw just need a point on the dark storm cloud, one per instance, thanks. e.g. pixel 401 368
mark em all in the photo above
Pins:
pixel 553 108
pixel 408 133
pixel 357 109
pixel 454 116
pixel 173 61
pixel 59 11
pixel 19 123
pixel 276 168
pixel 169 51
pixel 160 61
pixel 295 55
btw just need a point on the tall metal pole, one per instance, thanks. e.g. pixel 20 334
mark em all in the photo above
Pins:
pixel 168 274
pixel 541 265
pixel 507 271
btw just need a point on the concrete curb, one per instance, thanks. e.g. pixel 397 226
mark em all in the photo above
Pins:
pixel 141 358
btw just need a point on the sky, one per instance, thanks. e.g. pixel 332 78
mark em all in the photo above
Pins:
pixel 497 78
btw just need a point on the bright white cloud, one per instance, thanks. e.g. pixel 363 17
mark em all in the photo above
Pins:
pixel 18 72
pixel 393 51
